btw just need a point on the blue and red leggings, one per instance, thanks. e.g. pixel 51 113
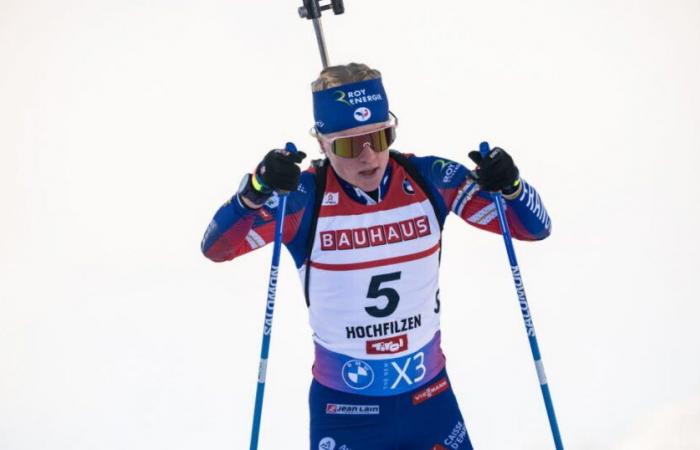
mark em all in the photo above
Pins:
pixel 427 418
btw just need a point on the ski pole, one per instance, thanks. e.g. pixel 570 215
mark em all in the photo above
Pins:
pixel 311 9
pixel 269 311
pixel 525 309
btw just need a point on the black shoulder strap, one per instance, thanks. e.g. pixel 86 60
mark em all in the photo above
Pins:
pixel 418 178
pixel 321 166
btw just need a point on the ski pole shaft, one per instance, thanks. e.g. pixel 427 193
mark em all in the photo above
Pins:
pixel 318 29
pixel 269 311
pixel 525 309
pixel 312 10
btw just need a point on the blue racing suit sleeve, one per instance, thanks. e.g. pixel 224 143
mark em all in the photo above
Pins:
pixel 237 229
pixel 456 190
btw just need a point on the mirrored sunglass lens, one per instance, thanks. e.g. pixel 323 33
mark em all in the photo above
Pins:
pixel 390 136
pixel 351 147
pixel 382 139
pixel 379 141
pixel 343 147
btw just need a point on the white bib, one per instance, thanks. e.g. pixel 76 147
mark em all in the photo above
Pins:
pixel 373 288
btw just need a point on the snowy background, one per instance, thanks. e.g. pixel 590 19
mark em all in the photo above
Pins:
pixel 125 124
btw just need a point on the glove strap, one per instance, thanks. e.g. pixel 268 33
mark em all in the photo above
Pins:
pixel 258 184
pixel 513 191
pixel 253 190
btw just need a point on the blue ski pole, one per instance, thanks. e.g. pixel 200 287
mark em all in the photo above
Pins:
pixel 269 311
pixel 525 309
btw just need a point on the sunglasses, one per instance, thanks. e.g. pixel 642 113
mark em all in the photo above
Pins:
pixel 351 146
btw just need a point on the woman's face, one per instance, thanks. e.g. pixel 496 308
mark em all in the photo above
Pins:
pixel 364 171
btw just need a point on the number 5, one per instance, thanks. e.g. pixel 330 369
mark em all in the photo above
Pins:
pixel 390 293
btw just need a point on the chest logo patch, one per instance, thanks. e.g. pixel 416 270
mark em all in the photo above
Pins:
pixel 408 187
pixel 330 199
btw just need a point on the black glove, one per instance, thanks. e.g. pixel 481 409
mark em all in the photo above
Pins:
pixel 496 171
pixel 278 171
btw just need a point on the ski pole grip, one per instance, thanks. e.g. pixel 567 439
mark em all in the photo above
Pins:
pixel 484 148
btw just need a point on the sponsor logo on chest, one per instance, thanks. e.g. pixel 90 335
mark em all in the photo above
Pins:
pixel 330 199
pixel 383 234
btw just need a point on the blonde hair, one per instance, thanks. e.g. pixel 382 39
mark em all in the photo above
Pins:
pixel 338 75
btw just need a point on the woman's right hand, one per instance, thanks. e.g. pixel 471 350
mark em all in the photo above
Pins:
pixel 278 171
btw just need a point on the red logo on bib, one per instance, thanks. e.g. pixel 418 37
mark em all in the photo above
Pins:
pixel 394 344
pixel 389 233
